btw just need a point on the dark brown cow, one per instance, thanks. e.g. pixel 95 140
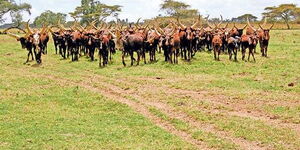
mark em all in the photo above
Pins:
pixel 250 42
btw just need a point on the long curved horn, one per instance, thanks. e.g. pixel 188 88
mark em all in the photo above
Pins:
pixel 113 35
pixel 157 32
pixel 226 25
pixel 168 25
pixel 29 31
pixel 272 26
pixel 265 22
pixel 109 26
pixel 44 29
pixel 261 27
pixel 137 23
pixel 173 31
pixel 13 35
pixel 248 22
pixel 221 21
pixel 208 22
pixel 14 28
pixel 180 24
pixel 198 20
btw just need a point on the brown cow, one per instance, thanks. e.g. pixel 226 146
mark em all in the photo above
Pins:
pixel 264 37
pixel 217 45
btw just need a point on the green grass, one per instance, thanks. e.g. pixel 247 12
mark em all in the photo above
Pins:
pixel 39 113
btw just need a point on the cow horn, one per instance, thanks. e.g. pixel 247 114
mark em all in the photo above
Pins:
pixel 44 29
pixel 261 27
pixel 168 25
pixel 265 22
pixel 161 31
pixel 248 22
pixel 208 22
pixel 29 31
pixel 137 23
pixel 173 31
pixel 198 21
pixel 109 26
pixel 13 35
pixel 226 25
pixel 221 21
pixel 180 24
pixel 113 35
pixel 157 32
pixel 272 26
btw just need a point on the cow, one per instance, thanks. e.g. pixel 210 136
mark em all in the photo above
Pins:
pixel 26 43
pixel 233 46
pixel 44 39
pixel 264 37
pixel 250 42
pixel 187 36
pixel 217 45
pixel 133 42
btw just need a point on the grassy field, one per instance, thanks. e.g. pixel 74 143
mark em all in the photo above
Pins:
pixel 203 104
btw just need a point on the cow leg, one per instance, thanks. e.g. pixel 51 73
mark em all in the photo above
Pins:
pixel 219 51
pixel 123 58
pixel 230 53
pixel 28 55
pixel 139 57
pixel 250 49
pixel 243 53
pixel 253 56
pixel 174 54
pixel 55 46
pixel 215 55
pixel 266 50
pixel 132 58
pixel 154 54
pixel 100 59
pixel 235 53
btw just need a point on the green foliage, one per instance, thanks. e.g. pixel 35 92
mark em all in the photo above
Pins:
pixel 178 9
pixel 285 12
pixel 49 17
pixel 91 10
pixel 9 6
pixel 16 18
pixel 243 18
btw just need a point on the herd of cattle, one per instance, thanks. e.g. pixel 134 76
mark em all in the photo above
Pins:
pixel 176 40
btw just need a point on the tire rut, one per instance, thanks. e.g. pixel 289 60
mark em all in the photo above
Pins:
pixel 134 105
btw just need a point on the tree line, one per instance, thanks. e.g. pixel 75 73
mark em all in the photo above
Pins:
pixel 95 10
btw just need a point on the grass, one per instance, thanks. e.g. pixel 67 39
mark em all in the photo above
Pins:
pixel 43 116
pixel 39 113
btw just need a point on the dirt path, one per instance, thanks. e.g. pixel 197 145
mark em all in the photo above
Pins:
pixel 237 109
pixel 143 110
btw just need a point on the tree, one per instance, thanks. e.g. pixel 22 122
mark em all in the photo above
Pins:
pixel 48 17
pixel 16 18
pixel 285 12
pixel 243 18
pixel 91 10
pixel 9 6
pixel 178 9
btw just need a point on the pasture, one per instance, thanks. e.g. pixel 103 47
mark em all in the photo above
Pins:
pixel 202 104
